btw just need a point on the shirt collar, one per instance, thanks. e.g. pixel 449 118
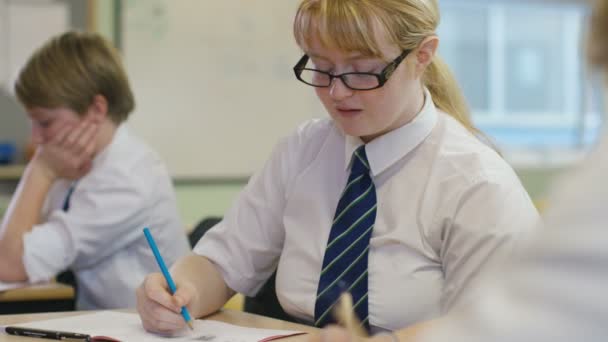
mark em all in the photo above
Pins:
pixel 387 149
pixel 119 137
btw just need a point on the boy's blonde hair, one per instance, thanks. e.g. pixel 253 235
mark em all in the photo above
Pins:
pixel 349 25
pixel 598 41
pixel 72 68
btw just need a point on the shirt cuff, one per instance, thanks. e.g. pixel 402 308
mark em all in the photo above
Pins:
pixel 47 250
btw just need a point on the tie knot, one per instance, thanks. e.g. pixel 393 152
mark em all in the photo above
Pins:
pixel 360 165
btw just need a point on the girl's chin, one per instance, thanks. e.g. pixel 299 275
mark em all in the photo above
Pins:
pixel 355 130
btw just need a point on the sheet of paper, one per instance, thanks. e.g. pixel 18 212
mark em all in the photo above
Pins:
pixel 10 286
pixel 128 327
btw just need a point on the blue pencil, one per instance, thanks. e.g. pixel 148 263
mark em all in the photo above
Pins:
pixel 163 268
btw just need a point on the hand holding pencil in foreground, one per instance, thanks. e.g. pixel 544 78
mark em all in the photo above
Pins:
pixel 345 315
pixel 349 329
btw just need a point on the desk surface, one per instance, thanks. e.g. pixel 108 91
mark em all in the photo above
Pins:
pixel 225 315
pixel 11 172
pixel 50 291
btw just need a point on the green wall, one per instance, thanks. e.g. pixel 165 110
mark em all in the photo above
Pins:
pixel 197 201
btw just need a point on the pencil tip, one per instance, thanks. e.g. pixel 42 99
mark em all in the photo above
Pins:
pixel 190 325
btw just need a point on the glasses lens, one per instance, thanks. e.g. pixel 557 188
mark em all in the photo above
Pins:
pixel 315 78
pixel 361 81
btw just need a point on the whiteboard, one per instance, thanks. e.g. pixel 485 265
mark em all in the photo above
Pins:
pixel 213 82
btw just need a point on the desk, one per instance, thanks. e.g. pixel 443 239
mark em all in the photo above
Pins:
pixel 11 172
pixel 225 315
pixel 36 298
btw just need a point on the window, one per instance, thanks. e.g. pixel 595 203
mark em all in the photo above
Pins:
pixel 522 69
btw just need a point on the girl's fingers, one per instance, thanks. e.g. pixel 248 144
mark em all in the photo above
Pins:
pixel 155 289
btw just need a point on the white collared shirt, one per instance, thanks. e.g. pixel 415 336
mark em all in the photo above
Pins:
pixel 446 204
pixel 555 290
pixel 100 237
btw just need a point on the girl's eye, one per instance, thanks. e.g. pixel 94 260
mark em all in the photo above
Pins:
pixel 368 67
pixel 323 67
pixel 320 65
pixel 367 70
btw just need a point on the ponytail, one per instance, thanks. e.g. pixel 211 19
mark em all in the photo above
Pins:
pixel 448 97
pixel 446 93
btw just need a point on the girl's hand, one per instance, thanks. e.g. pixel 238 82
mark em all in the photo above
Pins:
pixel 160 312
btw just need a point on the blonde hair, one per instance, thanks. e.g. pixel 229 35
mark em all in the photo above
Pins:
pixel 349 26
pixel 598 39
pixel 70 70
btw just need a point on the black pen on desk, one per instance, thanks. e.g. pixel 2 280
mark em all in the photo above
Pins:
pixel 48 334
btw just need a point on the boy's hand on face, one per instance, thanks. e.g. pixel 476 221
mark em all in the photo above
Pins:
pixel 69 154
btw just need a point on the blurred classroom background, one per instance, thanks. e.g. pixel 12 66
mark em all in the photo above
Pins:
pixel 215 90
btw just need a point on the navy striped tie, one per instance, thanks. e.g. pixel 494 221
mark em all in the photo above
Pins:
pixel 346 254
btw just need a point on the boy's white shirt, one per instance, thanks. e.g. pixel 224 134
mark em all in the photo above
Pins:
pixel 100 237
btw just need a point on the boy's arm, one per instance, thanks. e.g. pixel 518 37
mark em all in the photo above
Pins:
pixel 22 214
pixel 67 155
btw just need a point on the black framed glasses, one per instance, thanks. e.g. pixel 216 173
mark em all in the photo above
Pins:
pixel 353 80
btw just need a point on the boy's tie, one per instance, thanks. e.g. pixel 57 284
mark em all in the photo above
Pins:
pixel 67 276
pixel 345 261
pixel 68 196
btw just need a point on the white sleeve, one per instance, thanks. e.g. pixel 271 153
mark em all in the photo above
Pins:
pixel 554 289
pixel 47 250
pixel 103 217
pixel 490 219
pixel 247 243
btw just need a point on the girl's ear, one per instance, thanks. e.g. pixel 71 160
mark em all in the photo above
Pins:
pixel 425 53
pixel 98 110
